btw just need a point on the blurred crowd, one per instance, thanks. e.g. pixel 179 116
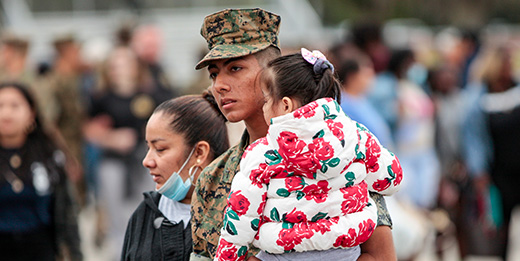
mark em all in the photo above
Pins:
pixel 97 113
pixel 450 113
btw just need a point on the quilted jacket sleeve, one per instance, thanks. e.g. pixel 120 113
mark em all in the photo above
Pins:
pixel 245 204
pixel 384 172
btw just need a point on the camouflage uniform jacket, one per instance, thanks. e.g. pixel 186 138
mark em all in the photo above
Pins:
pixel 210 199
pixel 65 109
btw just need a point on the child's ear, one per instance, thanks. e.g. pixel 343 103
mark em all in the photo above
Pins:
pixel 289 105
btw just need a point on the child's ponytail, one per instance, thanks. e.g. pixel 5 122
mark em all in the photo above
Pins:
pixel 327 86
pixel 296 77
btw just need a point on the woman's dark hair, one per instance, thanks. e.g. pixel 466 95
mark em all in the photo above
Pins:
pixel 198 118
pixel 292 76
pixel 39 145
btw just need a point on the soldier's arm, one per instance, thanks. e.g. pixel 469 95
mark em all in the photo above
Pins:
pixel 380 246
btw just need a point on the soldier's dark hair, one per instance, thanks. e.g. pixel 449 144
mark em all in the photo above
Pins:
pixel 198 119
pixel 266 55
pixel 292 76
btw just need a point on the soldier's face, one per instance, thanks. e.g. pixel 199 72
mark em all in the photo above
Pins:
pixel 235 85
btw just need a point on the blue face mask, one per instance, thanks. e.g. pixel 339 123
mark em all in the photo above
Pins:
pixel 174 188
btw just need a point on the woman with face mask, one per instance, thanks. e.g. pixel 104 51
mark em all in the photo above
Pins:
pixel 183 136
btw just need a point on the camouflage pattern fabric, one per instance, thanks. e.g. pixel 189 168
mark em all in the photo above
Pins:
pixel 63 108
pixel 26 78
pixel 210 199
pixel 238 32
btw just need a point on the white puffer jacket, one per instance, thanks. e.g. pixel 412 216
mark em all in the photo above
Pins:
pixel 305 185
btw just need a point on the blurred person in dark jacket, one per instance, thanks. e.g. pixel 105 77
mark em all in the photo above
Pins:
pixel 118 114
pixel 491 136
pixel 147 41
pixel 38 213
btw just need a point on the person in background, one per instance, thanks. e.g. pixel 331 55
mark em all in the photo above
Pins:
pixel 118 115
pixel 62 104
pixel 491 143
pixel 183 135
pixel 368 37
pixel 356 74
pixel 38 211
pixel 469 46
pixel 449 111
pixel 13 59
pixel 147 43
pixel 241 43
pixel 415 135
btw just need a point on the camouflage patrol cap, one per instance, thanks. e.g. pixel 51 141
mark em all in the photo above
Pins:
pixel 238 32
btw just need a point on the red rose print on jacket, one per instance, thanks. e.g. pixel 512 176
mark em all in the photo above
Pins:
pixel 355 198
pixel 306 111
pixel 373 153
pixel 288 238
pixel 303 230
pixel 346 240
pixel 317 192
pixel 274 171
pixel 295 216
pixel 257 176
pixel 323 225
pixel 263 174
pixel 321 149
pixel 254 144
pixel 294 183
pixel 289 144
pixel 336 128
pixel 352 239
pixel 227 251
pixel 238 202
pixel 398 171
pixel 304 164
pixel 365 231
pixel 261 207
pixel 381 184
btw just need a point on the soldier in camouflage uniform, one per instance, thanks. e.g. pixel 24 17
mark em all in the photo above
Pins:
pixel 241 42
pixel 63 109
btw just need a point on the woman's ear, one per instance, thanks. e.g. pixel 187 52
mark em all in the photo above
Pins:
pixel 289 104
pixel 202 151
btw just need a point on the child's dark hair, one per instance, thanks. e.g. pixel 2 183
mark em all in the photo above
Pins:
pixel 292 76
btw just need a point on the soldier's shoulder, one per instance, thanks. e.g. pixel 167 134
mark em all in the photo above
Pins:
pixel 221 161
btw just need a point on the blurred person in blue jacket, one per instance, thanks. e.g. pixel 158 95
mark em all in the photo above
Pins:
pixel 356 73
